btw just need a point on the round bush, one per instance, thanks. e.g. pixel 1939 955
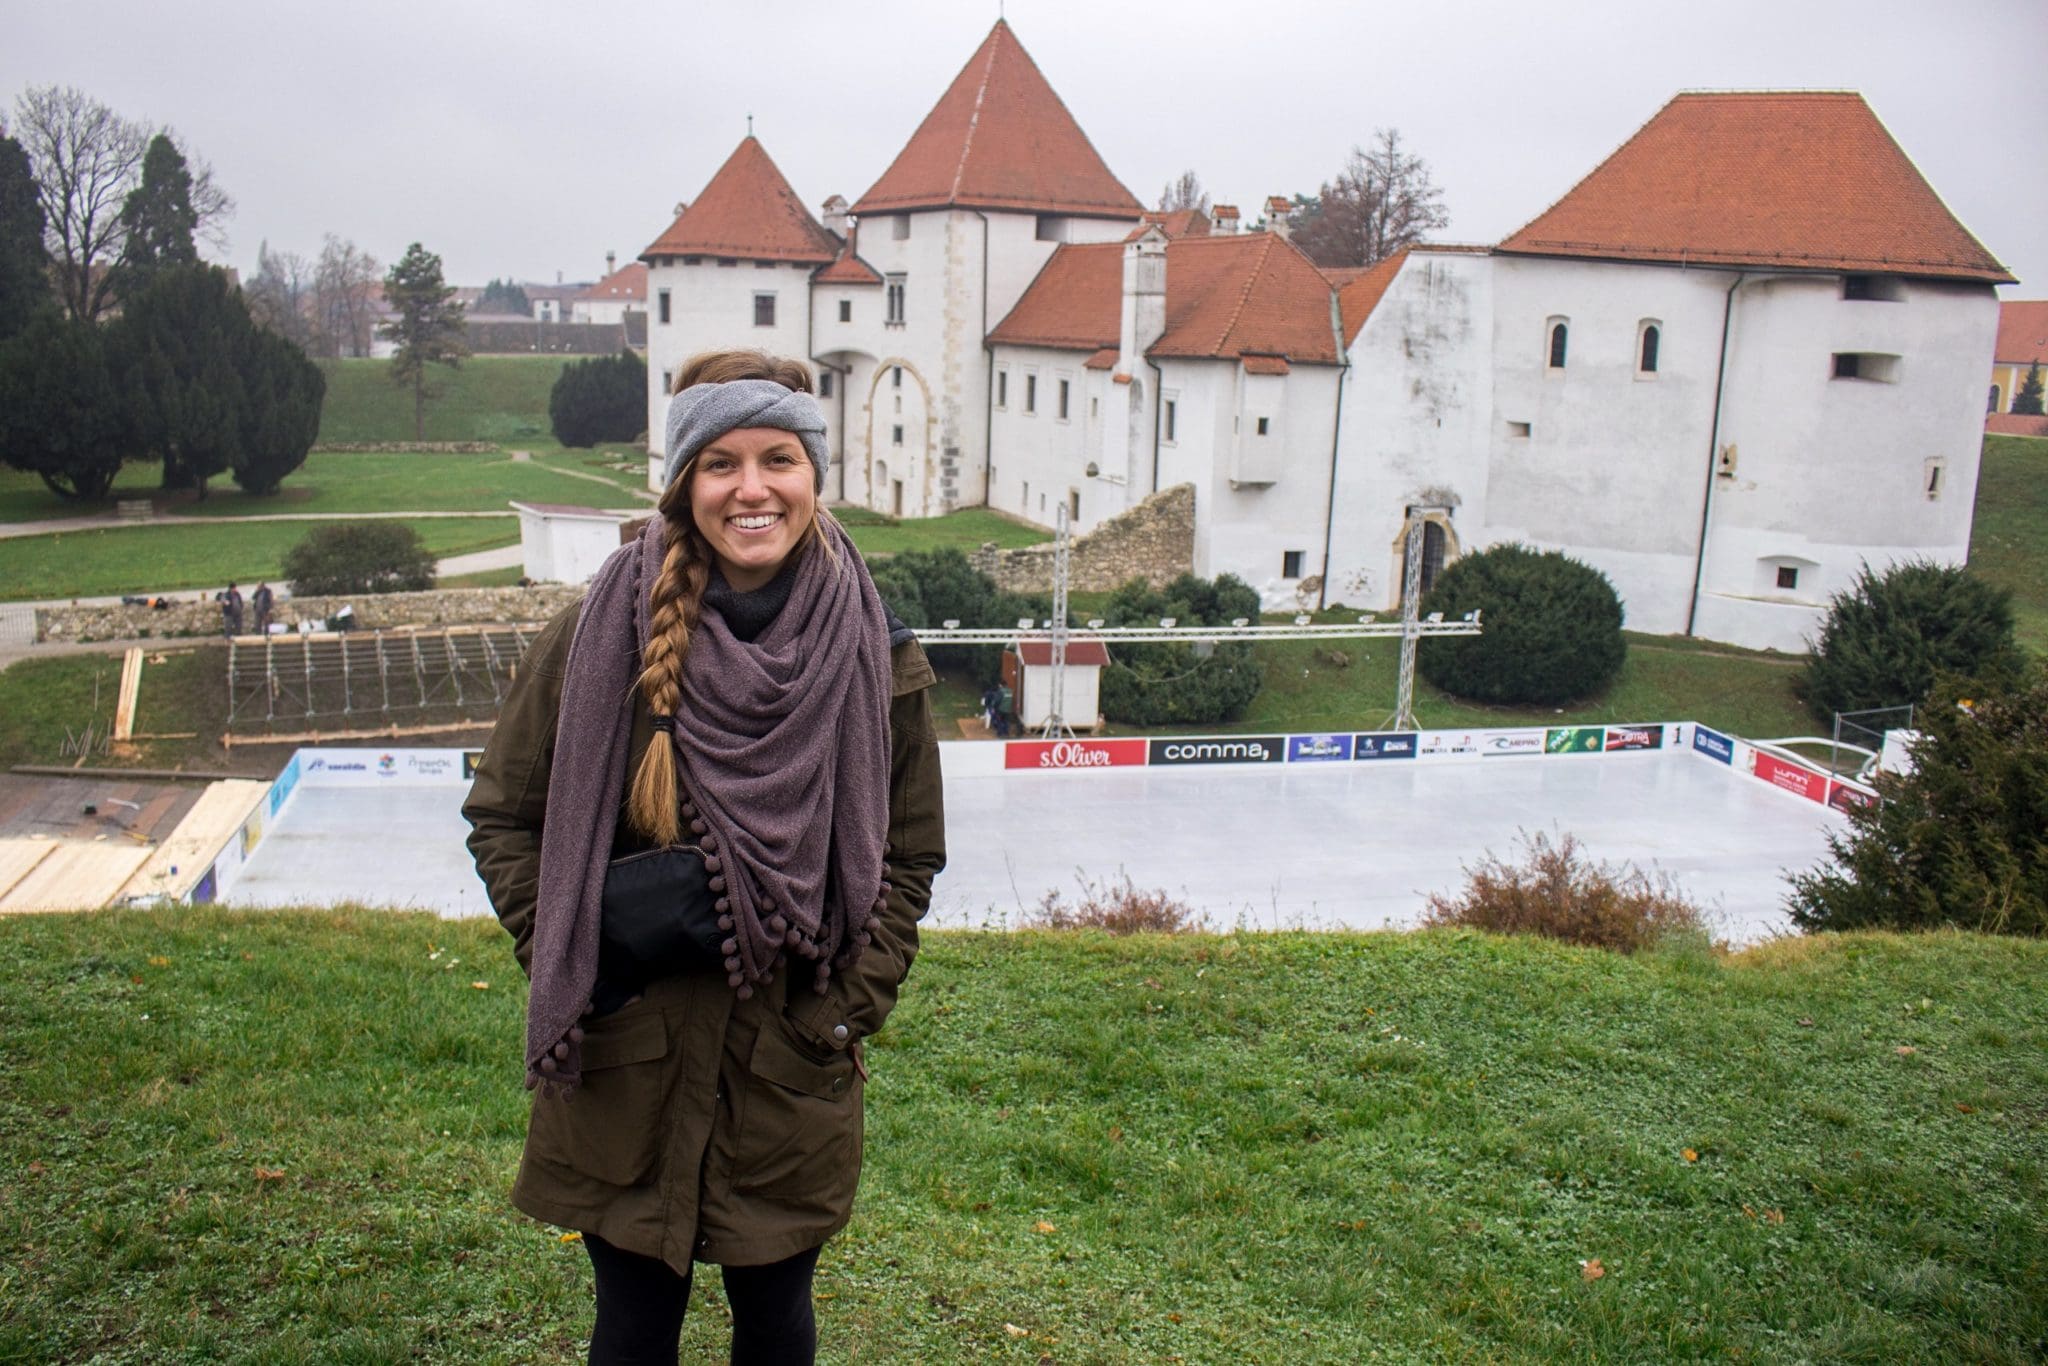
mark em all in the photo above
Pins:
pixel 1552 628
pixel 359 557
pixel 602 399
pixel 1886 638
pixel 1169 684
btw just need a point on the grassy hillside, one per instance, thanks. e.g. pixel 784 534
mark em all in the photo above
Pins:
pixel 490 398
pixel 2009 539
pixel 288 1136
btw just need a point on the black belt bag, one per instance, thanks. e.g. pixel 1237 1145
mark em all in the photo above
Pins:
pixel 659 917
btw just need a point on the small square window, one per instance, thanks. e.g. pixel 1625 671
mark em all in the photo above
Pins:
pixel 764 310
pixel 728 261
pixel 1262 426
pixel 846 310
pixel 1290 564
pixel 1519 429
pixel 899 227
pixel 1847 364
pixel 825 384
pixel 1788 576
pixel 764 265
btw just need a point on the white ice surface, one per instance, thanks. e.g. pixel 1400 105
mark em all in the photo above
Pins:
pixel 1314 845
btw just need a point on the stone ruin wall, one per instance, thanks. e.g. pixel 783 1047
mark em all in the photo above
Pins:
pixel 1154 541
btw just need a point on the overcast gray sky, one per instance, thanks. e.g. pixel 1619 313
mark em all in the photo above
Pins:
pixel 528 137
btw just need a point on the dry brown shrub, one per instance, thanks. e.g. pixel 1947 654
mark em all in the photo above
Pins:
pixel 1557 891
pixel 1115 906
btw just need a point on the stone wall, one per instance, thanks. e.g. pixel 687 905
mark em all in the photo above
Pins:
pixel 193 614
pixel 1154 541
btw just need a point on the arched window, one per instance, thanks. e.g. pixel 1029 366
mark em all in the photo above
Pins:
pixel 1559 331
pixel 1432 554
pixel 1994 400
pixel 1646 350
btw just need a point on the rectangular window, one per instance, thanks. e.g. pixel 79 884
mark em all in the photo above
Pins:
pixel 1030 393
pixel 693 260
pixel 667 379
pixel 894 291
pixel 1073 506
pixel 661 304
pixel 896 435
pixel 846 310
pixel 899 227
pixel 1519 429
pixel 1094 405
pixel 1788 576
pixel 1064 387
pixel 764 265
pixel 1262 426
pixel 1002 388
pixel 896 377
pixel 1866 365
pixel 1172 414
pixel 1290 564
pixel 764 310
pixel 1935 468
pixel 825 384
pixel 1880 287
pixel 728 261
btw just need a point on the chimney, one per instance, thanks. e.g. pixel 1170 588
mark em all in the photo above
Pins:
pixel 1143 318
pixel 611 259
pixel 835 215
pixel 1279 216
pixel 1223 218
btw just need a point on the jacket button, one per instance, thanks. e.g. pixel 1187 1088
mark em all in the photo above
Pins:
pixel 839 1032
pixel 838 1085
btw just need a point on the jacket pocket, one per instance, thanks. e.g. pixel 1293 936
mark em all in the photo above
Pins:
pixel 799 1138
pixel 610 1131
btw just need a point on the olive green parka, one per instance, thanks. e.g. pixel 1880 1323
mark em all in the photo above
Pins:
pixel 707 1128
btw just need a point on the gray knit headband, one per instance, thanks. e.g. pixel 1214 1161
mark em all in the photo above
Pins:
pixel 702 413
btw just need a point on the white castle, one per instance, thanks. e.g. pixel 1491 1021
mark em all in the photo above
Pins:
pixel 1739 360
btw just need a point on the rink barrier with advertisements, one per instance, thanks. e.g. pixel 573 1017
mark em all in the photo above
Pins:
pixel 374 768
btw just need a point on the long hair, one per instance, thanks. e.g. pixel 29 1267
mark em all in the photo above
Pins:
pixel 677 599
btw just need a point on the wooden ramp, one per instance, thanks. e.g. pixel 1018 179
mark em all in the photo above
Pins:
pixel 18 859
pixel 74 877
pixel 175 866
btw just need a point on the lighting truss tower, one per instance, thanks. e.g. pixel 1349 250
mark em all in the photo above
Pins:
pixel 1056 727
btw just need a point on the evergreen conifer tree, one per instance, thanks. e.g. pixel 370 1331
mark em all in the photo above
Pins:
pixel 428 327
pixel 60 415
pixel 157 220
pixel 25 287
pixel 2028 399
pixel 176 349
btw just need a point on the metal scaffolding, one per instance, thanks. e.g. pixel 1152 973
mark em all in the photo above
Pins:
pixel 370 673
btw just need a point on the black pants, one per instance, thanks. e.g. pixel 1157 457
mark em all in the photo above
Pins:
pixel 640 1304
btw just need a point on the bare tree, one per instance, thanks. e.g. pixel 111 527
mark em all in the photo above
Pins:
pixel 345 292
pixel 1382 201
pixel 87 161
pixel 281 297
pixel 1184 193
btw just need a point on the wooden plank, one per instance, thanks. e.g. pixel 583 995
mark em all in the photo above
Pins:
pixel 18 857
pixel 75 877
pixel 177 863
pixel 131 685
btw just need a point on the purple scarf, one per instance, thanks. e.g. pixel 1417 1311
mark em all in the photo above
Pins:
pixel 783 748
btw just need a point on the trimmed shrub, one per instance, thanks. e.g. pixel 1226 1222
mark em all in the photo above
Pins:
pixel 1886 638
pixel 927 588
pixel 1552 628
pixel 1962 840
pixel 1557 892
pixel 600 399
pixel 359 557
pixel 1172 684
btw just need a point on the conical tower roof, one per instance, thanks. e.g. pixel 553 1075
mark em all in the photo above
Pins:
pixel 749 211
pixel 999 138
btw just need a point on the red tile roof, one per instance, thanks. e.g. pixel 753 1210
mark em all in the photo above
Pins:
pixel 1225 296
pixel 999 138
pixel 847 268
pixel 1105 359
pixel 1795 180
pixel 2022 331
pixel 747 211
pixel 1178 223
pixel 1361 294
pixel 627 282
pixel 1037 654
pixel 1266 365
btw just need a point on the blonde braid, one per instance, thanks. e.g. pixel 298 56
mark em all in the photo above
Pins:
pixel 676 601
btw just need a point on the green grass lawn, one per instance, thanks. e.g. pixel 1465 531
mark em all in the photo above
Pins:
pixel 288 1137
pixel 153 559
pixel 966 530
pixel 490 398
pixel 182 690
pixel 2009 539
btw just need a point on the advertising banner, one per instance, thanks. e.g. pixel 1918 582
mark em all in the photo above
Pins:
pixel 1794 778
pixel 1396 744
pixel 1073 753
pixel 1307 749
pixel 380 767
pixel 1574 740
pixel 203 892
pixel 1713 744
pixel 1844 798
pixel 1510 742
pixel 1635 737
pixel 252 833
pixel 281 790
pixel 1228 749
pixel 1439 744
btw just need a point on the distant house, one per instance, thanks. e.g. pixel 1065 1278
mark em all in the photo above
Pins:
pixel 2022 341
pixel 621 291
pixel 564 543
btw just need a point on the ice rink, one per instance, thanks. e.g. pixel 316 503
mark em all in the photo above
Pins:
pixel 1263 846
